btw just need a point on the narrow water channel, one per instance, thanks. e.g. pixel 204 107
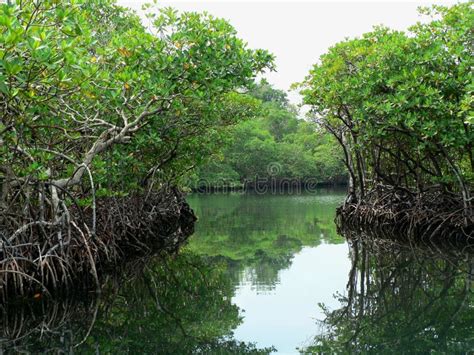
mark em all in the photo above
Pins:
pixel 262 273
pixel 283 256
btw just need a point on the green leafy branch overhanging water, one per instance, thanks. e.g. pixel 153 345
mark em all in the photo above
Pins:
pixel 97 108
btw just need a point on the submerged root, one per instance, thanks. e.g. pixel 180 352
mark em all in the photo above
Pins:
pixel 41 257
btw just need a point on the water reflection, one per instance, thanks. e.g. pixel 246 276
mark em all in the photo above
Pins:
pixel 283 256
pixel 255 272
pixel 257 236
pixel 402 299
pixel 175 305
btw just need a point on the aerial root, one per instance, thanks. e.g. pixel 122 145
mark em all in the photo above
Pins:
pixel 432 217
pixel 38 258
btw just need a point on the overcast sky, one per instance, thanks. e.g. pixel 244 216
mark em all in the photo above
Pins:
pixel 297 33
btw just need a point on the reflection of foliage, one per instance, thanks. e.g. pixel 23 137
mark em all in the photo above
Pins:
pixel 262 233
pixel 176 305
pixel 402 300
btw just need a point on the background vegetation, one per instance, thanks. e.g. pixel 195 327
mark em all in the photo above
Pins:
pixel 276 145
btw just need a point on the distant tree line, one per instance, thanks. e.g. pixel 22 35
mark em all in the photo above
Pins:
pixel 276 147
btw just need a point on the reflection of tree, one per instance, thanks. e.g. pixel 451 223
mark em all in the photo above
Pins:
pixel 257 236
pixel 47 325
pixel 400 300
pixel 175 305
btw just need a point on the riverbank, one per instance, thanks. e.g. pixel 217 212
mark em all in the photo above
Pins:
pixel 42 259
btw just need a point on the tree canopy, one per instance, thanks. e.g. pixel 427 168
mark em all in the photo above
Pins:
pixel 95 103
pixel 400 104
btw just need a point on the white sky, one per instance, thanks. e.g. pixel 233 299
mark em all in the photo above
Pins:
pixel 297 33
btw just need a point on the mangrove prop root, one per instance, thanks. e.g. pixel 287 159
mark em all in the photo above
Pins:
pixel 43 257
pixel 431 217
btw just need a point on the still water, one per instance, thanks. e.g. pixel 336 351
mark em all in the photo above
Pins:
pixel 283 256
pixel 263 273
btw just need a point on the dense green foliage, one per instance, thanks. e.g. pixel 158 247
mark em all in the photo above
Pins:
pixel 275 146
pixel 93 100
pixel 400 104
